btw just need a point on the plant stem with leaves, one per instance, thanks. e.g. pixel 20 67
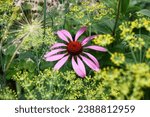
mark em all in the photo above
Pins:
pixel 117 17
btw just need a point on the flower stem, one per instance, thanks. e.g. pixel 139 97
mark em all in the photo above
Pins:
pixel 44 18
pixel 117 18
pixel 4 36
pixel 141 55
pixel 141 47
pixel 18 88
pixel 12 57
pixel 133 55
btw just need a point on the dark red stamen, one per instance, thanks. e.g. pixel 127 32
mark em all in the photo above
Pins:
pixel 74 48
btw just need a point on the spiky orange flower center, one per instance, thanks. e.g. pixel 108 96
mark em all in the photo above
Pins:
pixel 74 48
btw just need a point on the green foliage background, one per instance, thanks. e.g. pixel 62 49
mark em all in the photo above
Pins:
pixel 27 30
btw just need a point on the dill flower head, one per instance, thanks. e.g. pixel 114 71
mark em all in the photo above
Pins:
pixel 126 30
pixel 7 94
pixel 33 28
pixel 136 43
pixel 88 11
pixel 34 34
pixel 148 53
pixel 110 73
pixel 103 40
pixel 117 58
pixel 129 36
pixel 146 23
pixel 139 68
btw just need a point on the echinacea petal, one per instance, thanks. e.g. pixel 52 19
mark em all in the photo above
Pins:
pixel 56 45
pixel 77 69
pixel 80 32
pixel 93 59
pixel 67 34
pixel 55 57
pixel 62 36
pixel 81 65
pixel 54 52
pixel 87 39
pixel 97 48
pixel 90 63
pixel 61 62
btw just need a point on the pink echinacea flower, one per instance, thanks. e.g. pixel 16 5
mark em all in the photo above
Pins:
pixel 76 50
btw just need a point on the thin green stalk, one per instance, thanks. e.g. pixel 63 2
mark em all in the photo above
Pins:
pixel 12 57
pixel 90 27
pixel 133 55
pixel 52 21
pixel 90 30
pixel 44 18
pixel 26 20
pixel 4 36
pixel 64 22
pixel 141 55
pixel 141 47
pixel 18 89
pixel 117 17
pixel 2 65
pixel 38 61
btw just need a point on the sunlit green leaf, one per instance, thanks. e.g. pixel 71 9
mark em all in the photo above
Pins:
pixel 145 12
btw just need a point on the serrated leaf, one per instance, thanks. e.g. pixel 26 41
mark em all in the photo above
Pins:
pixel 145 12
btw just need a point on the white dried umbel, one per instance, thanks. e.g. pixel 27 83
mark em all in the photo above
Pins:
pixel 35 3
pixel 89 0
pixel 19 2
pixel 50 4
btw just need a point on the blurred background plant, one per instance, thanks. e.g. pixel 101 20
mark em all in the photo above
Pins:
pixel 28 28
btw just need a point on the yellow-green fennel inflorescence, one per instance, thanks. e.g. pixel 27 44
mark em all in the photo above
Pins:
pixel 117 58
pixel 127 34
pixel 103 40
pixel 109 83
pixel 8 94
pixel 88 12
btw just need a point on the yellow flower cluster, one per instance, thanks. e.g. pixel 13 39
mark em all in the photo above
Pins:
pixel 7 94
pixel 123 83
pixel 139 68
pixel 88 10
pixel 24 81
pixel 142 22
pixel 148 53
pixel 110 73
pixel 136 43
pixel 117 58
pixel 103 40
pixel 129 36
pixel 109 83
pixel 77 12
pixel 97 9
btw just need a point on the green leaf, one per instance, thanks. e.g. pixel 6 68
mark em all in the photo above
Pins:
pixel 145 12
pixel 30 65
pixel 105 26
pixel 10 50
pixel 124 5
